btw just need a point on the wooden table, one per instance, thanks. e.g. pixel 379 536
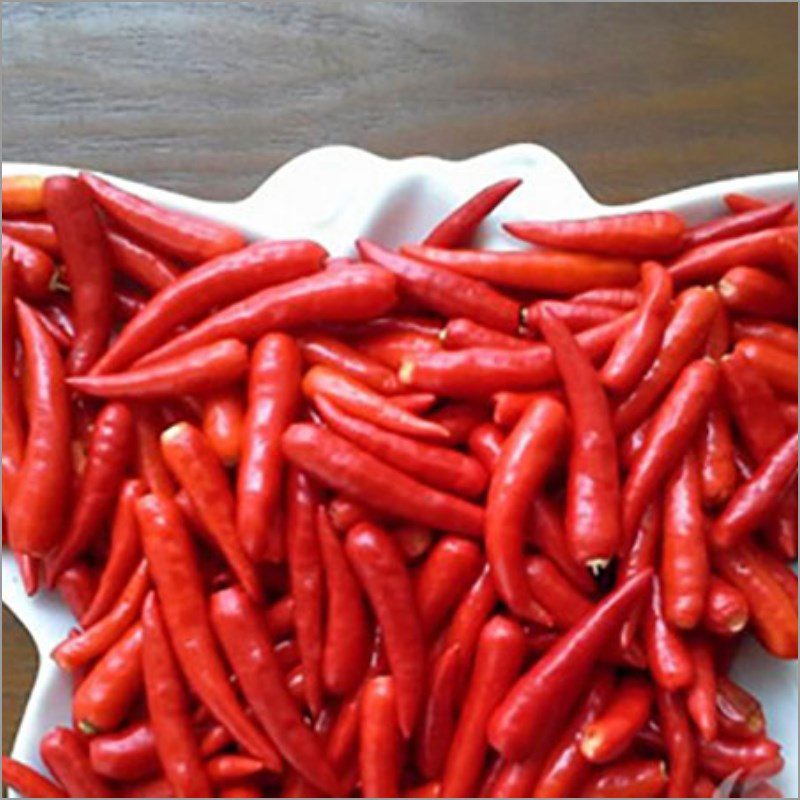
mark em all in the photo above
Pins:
pixel 209 98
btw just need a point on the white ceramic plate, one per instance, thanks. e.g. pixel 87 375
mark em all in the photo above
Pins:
pixel 336 194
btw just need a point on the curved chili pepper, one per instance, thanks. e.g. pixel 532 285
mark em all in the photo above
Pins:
pixel 34 271
pixel 576 316
pixel 170 552
pixel 306 579
pixel 76 586
pixel 739 714
pixel 726 611
pixel 183 235
pixel 766 330
pixel 543 271
pixel 110 451
pixel 459 419
pixel 631 778
pixel 457 228
pixel 626 299
pixel 446 292
pixel 556 595
pixel 778 366
pixel 28 782
pixel 747 290
pixel 485 443
pixel 701 698
pixel 695 311
pixel 358 400
pixel 746 221
pixel 542 698
pixel 23 194
pixel 223 413
pixel 140 264
pixel 126 755
pixel 672 430
pixel 379 565
pixel 392 347
pixel 379 739
pixel 238 625
pixel 592 516
pixel 461 332
pixel 680 744
pixel 64 753
pixel 667 653
pixel 338 464
pixel 527 456
pixel 344 295
pixel 195 372
pixel 149 461
pixel 749 758
pixel 107 694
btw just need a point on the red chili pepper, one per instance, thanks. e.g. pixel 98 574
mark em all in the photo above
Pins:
pixel 22 194
pixel 576 316
pixel 460 333
pixel 154 787
pixel 542 698
pixel 509 406
pixel 379 740
pixel 228 767
pixel 393 347
pixel 670 435
pixel 89 263
pixel 413 403
pixel 77 586
pixel 238 625
pixel 668 656
pixel 62 339
pixel 716 452
pixel 140 264
pixel 726 611
pixel 554 593
pixel 459 419
pixel 739 203
pixel 306 578
pixel 36 514
pixel 748 220
pixel 757 758
pixel 780 572
pixel 765 330
pixel 186 236
pixel 127 304
pixel 778 366
pixel 695 311
pixel 447 293
pixel 197 371
pixel 680 744
pixel 338 464
pixel 344 513
pixel 456 229
pixel 33 269
pixel 345 295
pixel 414 540
pixel 28 782
pixel 498 659
pixel 110 451
pixel 626 299
pixel 170 551
pixel 543 271
pixel 739 714
pixel 747 290
pixel 223 413
pixel 701 698
pixel 149 461
pixel 107 694
pixel 128 754
pixel 564 768
pixel 631 778
pixel 485 443
pixel 65 755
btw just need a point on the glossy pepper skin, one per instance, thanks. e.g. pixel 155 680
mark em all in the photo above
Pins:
pixel 28 782
pixel 65 754
pixel 380 740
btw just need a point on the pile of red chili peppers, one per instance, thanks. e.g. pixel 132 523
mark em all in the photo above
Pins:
pixel 433 522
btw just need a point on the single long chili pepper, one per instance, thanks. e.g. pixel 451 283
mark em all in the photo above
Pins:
pixel 757 758
pixel 331 352
pixel 626 299
pixel 747 290
pixel 107 694
pixel 668 656
pixel 443 291
pixel 360 401
pixel 34 270
pixel 541 699
pixel 379 565
pixel 710 261
pixel 170 551
pixel 347 638
pixel 150 463
pixel 592 515
pixel 479 371
pixel 753 219
pixel 527 456
pixel 36 514
pixel 636 348
pixel 379 740
pixel 199 471
pixel 544 271
pixel 90 265
pixel 345 295
pixel 772 612
pixel 34 232
pixel 738 203
pixel 336 463
pixel 449 570
pixel 76 586
pixel 754 500
pixel 726 611
pixel 695 310
pixel 223 414
pixel 564 767
pixel 485 443
pixel 632 778
pixel 554 593
pixel 778 366
pixel 13 432
pixel 126 755
pixel 576 316
pixel 716 453
pixel 457 228
pixel 671 433
pixel 611 734
pixel 216 283
pixel 342 744
pixel 701 698
pixel 186 236
pixel 23 194
pixel 680 744
pixel 767 330
pixel 441 467
pixel 65 755
pixel 459 419
pixel 28 782
pixel 239 626
pixel 498 659
pixel 739 714
pixel 110 451
pixel 194 372
pixel 462 332
pixel 140 264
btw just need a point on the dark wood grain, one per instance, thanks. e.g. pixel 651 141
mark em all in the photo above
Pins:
pixel 209 98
